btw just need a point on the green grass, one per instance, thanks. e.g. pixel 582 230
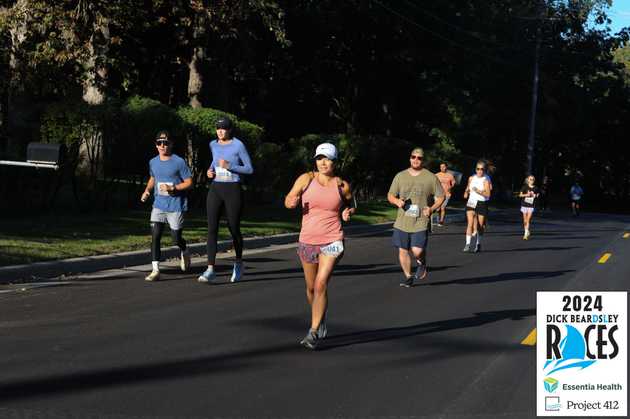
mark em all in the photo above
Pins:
pixel 51 237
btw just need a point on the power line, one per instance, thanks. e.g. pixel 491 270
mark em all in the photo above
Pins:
pixel 459 28
pixel 444 38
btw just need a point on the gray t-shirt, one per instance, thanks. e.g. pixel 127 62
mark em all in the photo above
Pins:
pixel 415 190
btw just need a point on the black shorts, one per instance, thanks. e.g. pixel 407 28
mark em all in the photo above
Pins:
pixel 481 208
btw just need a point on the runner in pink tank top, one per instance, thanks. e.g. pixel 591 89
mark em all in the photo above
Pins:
pixel 321 238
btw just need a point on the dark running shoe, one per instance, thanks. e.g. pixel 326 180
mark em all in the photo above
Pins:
pixel 421 272
pixel 311 340
pixel 406 282
pixel 478 248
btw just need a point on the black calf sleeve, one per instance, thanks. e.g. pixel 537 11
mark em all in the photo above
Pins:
pixel 156 237
pixel 178 239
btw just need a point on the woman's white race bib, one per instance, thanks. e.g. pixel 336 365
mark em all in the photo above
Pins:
pixel 472 202
pixel 224 175
pixel 332 249
pixel 529 199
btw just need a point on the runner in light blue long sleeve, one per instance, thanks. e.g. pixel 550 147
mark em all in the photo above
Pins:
pixel 235 154
pixel 230 161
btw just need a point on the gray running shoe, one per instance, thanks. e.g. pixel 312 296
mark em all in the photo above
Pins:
pixel 421 271
pixel 466 248
pixel 206 277
pixel 311 340
pixel 322 330
pixel 406 282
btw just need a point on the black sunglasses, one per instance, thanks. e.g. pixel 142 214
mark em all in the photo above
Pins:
pixel 415 157
pixel 481 168
pixel 162 142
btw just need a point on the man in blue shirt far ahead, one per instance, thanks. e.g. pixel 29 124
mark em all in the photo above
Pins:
pixel 169 178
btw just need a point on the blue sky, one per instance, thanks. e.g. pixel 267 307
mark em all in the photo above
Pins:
pixel 619 13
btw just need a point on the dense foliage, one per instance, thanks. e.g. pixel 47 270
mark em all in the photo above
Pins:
pixel 375 76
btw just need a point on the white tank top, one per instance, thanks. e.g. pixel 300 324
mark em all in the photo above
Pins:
pixel 477 182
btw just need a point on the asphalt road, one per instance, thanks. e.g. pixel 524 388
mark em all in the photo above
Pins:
pixel 115 346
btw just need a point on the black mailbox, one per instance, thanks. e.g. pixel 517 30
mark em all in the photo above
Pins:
pixel 43 153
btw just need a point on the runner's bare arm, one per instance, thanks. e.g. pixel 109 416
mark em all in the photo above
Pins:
pixel 293 197
pixel 186 184
pixel 467 190
pixel 147 191
pixel 394 200
pixel 347 195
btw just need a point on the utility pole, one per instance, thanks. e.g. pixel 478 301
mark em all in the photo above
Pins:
pixel 532 117
pixel 531 141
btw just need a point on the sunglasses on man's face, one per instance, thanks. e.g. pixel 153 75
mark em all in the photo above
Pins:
pixel 165 143
pixel 415 157
pixel 480 168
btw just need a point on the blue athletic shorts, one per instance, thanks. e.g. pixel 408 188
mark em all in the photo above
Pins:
pixel 404 240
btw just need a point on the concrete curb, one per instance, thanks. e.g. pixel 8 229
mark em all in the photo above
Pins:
pixel 46 270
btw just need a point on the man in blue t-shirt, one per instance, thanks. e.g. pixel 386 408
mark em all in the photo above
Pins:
pixel 169 178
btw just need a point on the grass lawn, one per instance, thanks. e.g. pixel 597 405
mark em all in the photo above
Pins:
pixel 61 236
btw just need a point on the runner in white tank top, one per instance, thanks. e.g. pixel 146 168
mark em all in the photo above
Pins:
pixel 477 194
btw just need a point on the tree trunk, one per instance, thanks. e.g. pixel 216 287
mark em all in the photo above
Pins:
pixel 195 76
pixel 91 149
pixel 5 77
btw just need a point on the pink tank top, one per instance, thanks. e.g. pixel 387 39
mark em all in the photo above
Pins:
pixel 321 223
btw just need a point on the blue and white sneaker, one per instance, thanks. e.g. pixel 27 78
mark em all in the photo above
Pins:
pixel 237 272
pixel 207 276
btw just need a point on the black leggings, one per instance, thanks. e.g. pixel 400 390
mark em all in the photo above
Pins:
pixel 226 195
pixel 156 237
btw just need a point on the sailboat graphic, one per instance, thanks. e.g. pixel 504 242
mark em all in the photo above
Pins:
pixel 573 350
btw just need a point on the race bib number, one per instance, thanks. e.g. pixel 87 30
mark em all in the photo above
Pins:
pixel 160 190
pixel 332 249
pixel 413 211
pixel 224 174
pixel 576 197
pixel 472 203
pixel 529 199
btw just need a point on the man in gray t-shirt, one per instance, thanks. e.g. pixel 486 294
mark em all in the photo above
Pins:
pixel 410 191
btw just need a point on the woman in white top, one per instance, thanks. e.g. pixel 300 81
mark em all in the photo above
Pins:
pixel 477 194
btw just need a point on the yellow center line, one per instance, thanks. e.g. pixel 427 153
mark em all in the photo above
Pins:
pixel 604 258
pixel 626 235
pixel 530 340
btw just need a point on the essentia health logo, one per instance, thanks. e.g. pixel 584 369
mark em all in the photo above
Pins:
pixel 551 384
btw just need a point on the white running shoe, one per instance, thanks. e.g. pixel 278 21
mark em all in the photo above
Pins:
pixel 184 261
pixel 237 272
pixel 153 276
pixel 207 276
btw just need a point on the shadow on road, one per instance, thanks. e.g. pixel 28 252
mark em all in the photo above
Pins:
pixel 424 328
pixel 508 276
pixel 228 362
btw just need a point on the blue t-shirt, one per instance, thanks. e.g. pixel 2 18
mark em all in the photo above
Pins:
pixel 173 172
pixel 236 154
